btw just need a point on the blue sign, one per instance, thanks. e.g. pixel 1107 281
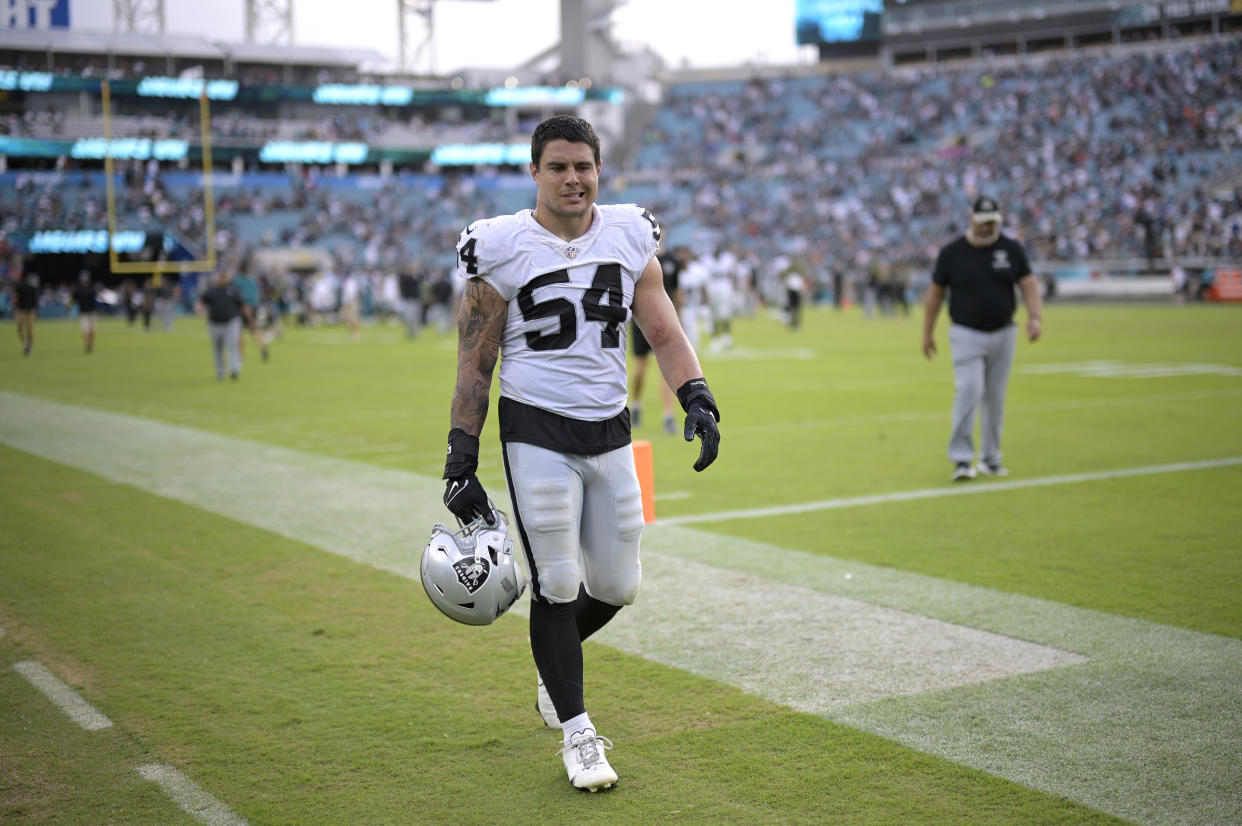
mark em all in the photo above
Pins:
pixel 535 96
pixel 837 21
pixel 86 240
pixel 190 88
pixel 164 149
pixel 26 81
pixel 481 154
pixel 313 152
pixel 363 94
pixel 39 15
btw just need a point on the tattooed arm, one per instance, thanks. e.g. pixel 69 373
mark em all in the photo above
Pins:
pixel 480 322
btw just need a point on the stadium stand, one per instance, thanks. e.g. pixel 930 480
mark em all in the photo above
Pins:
pixel 1127 154
pixel 1115 155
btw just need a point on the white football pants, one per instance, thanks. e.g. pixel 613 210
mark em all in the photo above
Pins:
pixel 580 518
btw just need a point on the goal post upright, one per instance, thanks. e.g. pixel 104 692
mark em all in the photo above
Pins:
pixel 207 264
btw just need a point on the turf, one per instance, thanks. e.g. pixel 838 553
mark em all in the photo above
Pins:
pixel 300 687
pixel 306 689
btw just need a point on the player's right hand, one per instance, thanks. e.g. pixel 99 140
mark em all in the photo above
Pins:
pixel 465 498
pixel 463 495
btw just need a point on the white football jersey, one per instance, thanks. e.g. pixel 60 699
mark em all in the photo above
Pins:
pixel 564 343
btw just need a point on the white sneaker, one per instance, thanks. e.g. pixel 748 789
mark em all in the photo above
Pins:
pixel 543 704
pixel 989 469
pixel 963 471
pixel 585 762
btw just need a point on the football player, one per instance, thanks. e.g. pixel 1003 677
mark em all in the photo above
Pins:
pixel 549 292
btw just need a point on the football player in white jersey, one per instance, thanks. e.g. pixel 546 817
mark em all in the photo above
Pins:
pixel 550 291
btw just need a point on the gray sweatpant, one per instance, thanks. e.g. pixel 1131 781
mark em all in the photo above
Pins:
pixel 981 364
pixel 226 336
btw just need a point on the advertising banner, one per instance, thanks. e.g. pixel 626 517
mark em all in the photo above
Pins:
pixel 38 15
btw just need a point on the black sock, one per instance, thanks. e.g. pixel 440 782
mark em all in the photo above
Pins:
pixel 557 648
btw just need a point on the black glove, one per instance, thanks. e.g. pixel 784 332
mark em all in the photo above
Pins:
pixel 463 494
pixel 701 418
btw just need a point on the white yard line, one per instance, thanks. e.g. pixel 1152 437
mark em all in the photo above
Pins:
pixel 1077 703
pixel 64 697
pixel 959 489
pixel 195 802
pixel 1011 409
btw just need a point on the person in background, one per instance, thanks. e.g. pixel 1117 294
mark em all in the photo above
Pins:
pixel 794 278
pixel 351 300
pixel 166 301
pixel 131 298
pixel 979 271
pixel 225 312
pixel 670 267
pixel 26 308
pixel 721 293
pixel 86 297
pixel 247 288
pixel 150 294
pixel 410 285
pixel 268 323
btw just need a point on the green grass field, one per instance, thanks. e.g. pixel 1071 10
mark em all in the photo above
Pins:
pixel 829 631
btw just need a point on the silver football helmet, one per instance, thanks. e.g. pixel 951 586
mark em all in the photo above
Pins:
pixel 470 574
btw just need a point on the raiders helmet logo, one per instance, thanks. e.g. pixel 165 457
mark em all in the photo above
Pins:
pixel 472 572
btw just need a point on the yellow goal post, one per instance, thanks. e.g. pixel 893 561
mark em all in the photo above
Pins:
pixel 207 264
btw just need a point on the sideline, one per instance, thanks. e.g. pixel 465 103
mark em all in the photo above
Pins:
pixel 1088 707
pixel 959 489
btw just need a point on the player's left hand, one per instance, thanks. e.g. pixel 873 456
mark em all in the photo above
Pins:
pixel 701 419
pixel 700 422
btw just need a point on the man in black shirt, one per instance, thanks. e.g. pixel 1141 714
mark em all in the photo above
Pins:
pixel 224 308
pixel 85 296
pixel 979 271
pixel 410 285
pixel 26 304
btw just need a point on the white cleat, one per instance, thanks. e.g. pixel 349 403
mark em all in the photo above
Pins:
pixel 585 761
pixel 543 704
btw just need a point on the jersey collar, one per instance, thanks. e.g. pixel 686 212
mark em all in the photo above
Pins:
pixel 569 249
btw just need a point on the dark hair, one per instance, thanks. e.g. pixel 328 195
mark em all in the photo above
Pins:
pixel 565 128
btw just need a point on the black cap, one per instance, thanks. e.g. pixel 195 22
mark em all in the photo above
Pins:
pixel 985 209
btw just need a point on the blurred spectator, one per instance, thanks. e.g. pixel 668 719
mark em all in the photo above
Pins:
pixel 26 305
pixel 86 297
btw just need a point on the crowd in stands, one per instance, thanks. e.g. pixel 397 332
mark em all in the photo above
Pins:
pixel 1107 156
pixel 1135 154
